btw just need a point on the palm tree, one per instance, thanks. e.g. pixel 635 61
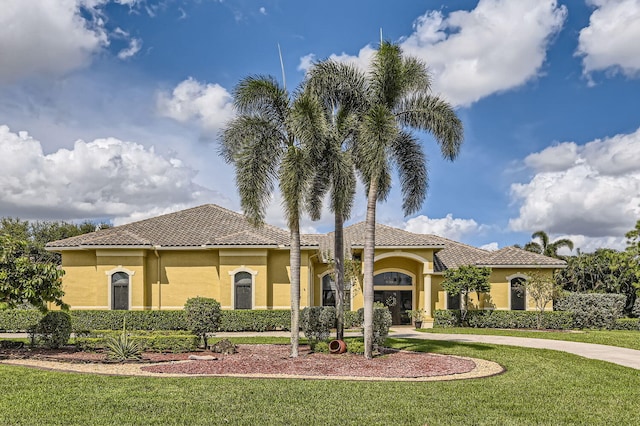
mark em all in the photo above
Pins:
pixel 399 100
pixel 327 122
pixel 261 145
pixel 545 247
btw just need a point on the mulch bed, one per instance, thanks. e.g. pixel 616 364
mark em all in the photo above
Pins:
pixel 274 360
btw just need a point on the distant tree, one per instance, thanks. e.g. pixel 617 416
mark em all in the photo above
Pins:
pixel 25 280
pixel 603 271
pixel 464 280
pixel 545 247
pixel 38 234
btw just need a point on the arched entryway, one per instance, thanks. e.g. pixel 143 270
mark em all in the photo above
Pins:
pixel 394 289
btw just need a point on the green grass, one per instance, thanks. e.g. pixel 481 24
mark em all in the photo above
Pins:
pixel 539 387
pixel 622 338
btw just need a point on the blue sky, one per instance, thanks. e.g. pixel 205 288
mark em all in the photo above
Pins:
pixel 110 109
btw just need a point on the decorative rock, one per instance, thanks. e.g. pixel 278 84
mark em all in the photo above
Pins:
pixel 203 357
pixel 224 346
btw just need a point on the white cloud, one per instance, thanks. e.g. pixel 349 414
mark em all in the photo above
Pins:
pixel 497 46
pixel 135 44
pixel 263 11
pixel 611 39
pixel 211 105
pixel 448 227
pixel 46 37
pixel 105 177
pixel 54 37
pixel 490 246
pixel 593 190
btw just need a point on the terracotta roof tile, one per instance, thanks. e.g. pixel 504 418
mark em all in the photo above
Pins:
pixel 204 225
pixel 516 256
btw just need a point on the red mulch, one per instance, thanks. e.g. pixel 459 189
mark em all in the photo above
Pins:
pixel 274 359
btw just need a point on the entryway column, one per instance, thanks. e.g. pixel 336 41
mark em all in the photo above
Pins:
pixel 427 296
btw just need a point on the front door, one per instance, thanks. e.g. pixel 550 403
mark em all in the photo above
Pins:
pixel 398 302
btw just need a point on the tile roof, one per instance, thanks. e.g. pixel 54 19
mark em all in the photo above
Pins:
pixel 207 225
pixel 211 225
pixel 516 256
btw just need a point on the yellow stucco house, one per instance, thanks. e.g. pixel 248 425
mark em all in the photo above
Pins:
pixel 210 251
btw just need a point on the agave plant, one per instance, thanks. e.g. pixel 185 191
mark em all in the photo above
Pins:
pixel 123 347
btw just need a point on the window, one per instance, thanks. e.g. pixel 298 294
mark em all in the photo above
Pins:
pixel 453 302
pixel 392 278
pixel 242 284
pixel 329 293
pixel 120 291
pixel 518 294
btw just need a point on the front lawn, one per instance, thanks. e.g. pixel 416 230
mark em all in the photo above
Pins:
pixel 539 387
pixel 622 338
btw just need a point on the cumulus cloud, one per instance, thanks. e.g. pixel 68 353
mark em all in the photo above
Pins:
pixel 210 105
pixel 497 46
pixel 610 41
pixel 105 177
pixel 490 246
pixel 53 37
pixel 590 190
pixel 448 227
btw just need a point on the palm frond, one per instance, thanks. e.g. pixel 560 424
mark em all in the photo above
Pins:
pixel 263 96
pixel 435 115
pixel 412 169
pixel 294 174
pixel 338 85
pixel 386 75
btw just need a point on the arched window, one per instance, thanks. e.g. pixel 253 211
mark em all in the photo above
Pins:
pixel 329 293
pixel 392 278
pixel 242 288
pixel 120 291
pixel 518 294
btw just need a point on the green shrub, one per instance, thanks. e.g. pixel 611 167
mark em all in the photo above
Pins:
pixel 636 307
pixel 250 320
pixel 355 346
pixel 149 341
pixel 627 324
pixel 446 318
pixel 19 320
pixel 321 347
pixel 352 319
pixel 593 310
pixel 203 316
pixel 123 347
pixel 381 323
pixel 53 330
pixel 316 323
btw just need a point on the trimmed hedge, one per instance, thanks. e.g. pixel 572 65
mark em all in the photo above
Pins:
pixel 21 320
pixel 248 320
pixel 593 310
pixel 627 324
pixel 551 320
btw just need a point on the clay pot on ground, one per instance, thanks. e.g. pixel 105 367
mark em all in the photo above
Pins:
pixel 337 347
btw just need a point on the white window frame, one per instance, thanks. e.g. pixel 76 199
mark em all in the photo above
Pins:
pixel 511 278
pixel 232 274
pixel 109 275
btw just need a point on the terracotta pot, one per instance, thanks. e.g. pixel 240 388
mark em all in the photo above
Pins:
pixel 337 347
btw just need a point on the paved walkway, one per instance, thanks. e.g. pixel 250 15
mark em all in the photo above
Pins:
pixel 621 356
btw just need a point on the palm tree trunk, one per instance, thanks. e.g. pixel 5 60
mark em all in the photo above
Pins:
pixel 339 274
pixel 369 256
pixel 294 262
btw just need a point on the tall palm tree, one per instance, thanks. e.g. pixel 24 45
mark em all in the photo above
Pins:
pixel 545 247
pixel 261 145
pixel 399 100
pixel 327 120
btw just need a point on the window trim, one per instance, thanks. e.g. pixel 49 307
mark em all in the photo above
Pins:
pixel 253 274
pixel 109 275
pixel 510 278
